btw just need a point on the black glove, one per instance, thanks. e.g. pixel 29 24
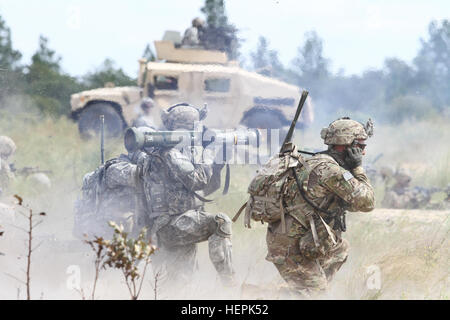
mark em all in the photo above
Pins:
pixel 353 157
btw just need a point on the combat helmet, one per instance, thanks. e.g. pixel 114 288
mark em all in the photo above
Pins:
pixel 402 176
pixel 183 116
pixel 147 103
pixel 198 22
pixel 7 147
pixel 344 131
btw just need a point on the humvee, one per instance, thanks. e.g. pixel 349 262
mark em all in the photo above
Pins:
pixel 234 96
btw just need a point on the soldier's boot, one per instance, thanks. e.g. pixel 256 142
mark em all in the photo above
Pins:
pixel 220 250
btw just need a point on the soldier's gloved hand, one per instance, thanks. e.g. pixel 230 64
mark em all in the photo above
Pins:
pixel 353 157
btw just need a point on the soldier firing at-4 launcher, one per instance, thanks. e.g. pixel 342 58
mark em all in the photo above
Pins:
pixel 162 186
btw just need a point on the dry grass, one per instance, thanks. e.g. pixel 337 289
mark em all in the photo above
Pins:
pixel 410 248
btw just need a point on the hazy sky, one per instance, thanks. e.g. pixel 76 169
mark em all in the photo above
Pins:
pixel 357 34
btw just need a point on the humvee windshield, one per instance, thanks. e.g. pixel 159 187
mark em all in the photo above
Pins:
pixel 165 82
pixel 217 85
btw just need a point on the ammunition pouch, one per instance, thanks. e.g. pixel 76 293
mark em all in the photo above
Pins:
pixel 223 225
pixel 319 240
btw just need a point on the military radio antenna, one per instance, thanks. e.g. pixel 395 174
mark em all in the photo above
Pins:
pixel 102 138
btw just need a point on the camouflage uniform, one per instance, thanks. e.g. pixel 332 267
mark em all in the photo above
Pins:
pixel 193 36
pixel 108 194
pixel 402 196
pixel 7 149
pixel 171 181
pixel 445 204
pixel 144 119
pixel 305 261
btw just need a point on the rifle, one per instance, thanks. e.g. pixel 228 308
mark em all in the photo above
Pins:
pixel 287 147
pixel 287 143
pixel 426 192
pixel 26 171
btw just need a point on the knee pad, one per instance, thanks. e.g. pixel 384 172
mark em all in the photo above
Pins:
pixel 223 223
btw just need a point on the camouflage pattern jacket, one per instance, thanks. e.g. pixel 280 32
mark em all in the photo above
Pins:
pixel 5 175
pixel 406 198
pixel 144 120
pixel 171 180
pixel 330 187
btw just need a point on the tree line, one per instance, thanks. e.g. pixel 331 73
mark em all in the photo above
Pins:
pixel 44 81
pixel 398 91
pixel 394 93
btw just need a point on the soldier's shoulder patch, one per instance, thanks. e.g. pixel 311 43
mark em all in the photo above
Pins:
pixel 338 178
pixel 347 175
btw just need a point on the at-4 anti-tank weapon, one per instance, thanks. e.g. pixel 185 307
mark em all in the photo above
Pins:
pixel 143 137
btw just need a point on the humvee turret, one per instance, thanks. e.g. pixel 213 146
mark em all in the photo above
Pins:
pixel 234 96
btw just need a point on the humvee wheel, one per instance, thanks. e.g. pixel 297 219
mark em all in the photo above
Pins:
pixel 263 118
pixel 89 120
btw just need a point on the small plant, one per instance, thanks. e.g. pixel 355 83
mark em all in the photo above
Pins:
pixel 98 245
pixel 125 254
pixel 28 214
pixel 156 279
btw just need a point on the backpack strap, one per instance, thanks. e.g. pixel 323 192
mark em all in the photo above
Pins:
pixel 316 208
pixel 100 188
pixel 313 230
pixel 283 221
pixel 247 217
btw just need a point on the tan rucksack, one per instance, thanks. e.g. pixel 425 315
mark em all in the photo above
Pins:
pixel 269 189
pixel 274 186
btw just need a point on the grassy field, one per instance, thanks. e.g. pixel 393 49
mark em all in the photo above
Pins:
pixel 407 249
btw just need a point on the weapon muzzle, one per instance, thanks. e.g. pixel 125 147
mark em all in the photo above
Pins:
pixel 134 139
pixel 237 137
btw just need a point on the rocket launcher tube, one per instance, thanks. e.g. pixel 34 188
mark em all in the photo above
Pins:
pixel 142 137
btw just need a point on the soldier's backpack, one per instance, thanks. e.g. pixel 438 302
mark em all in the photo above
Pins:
pixel 269 188
pixel 87 205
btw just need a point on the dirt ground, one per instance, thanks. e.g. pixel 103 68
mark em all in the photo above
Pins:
pixel 395 254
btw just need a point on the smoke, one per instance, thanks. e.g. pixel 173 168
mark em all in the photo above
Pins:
pixel 401 244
